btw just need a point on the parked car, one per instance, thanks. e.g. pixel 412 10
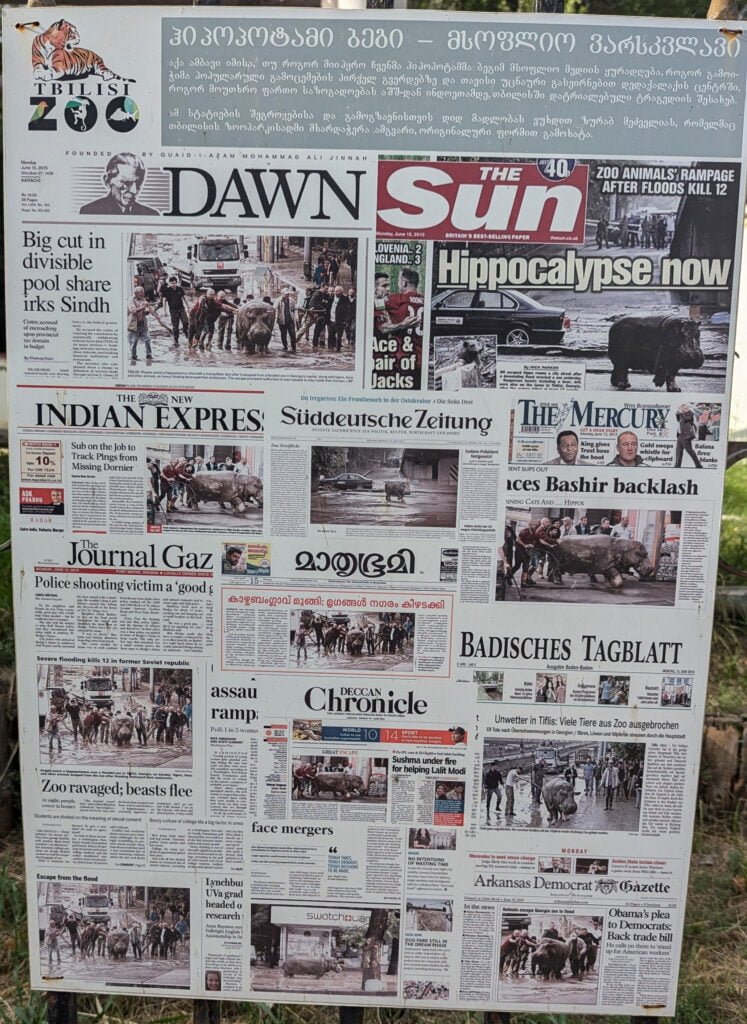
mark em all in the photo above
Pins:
pixel 348 482
pixel 514 318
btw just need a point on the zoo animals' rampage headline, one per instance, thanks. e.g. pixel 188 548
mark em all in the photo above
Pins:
pixel 370 386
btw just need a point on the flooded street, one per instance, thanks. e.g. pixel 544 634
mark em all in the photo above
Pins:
pixel 305 358
pixel 152 755
pixel 525 989
pixel 578 589
pixel 422 507
pixel 624 816
pixel 210 516
pixel 318 661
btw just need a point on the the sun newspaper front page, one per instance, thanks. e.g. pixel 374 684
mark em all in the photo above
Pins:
pixel 370 386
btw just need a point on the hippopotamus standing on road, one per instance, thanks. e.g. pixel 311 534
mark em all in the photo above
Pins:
pixel 225 487
pixel 549 957
pixel 660 345
pixel 306 965
pixel 601 555
pixel 255 322
pixel 396 489
pixel 559 799
pixel 117 942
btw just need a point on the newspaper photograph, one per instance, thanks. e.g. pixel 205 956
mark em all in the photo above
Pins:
pixel 293 727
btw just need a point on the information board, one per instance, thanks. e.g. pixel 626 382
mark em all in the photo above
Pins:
pixel 370 384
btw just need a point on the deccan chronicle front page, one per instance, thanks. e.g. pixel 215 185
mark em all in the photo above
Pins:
pixel 370 383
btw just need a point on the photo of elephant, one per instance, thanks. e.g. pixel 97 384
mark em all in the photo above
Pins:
pixel 570 786
pixel 643 303
pixel 115 714
pixel 203 487
pixel 550 955
pixel 113 935
pixel 565 555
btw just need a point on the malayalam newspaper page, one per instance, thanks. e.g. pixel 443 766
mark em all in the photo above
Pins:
pixel 370 389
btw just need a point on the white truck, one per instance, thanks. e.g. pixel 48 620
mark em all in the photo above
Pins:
pixel 213 262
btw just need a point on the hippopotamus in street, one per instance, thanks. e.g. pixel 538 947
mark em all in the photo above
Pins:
pixel 339 785
pixel 121 730
pixel 601 555
pixel 255 322
pixel 549 958
pixel 223 487
pixel 660 345
pixel 354 642
pixel 631 554
pixel 591 555
pixel 559 799
pixel 250 487
pixel 396 489
pixel 305 965
pixel 117 942
pixel 576 955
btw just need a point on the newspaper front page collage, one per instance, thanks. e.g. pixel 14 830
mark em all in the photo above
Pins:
pixel 369 410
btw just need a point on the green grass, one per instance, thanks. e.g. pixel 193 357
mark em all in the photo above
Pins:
pixel 733 545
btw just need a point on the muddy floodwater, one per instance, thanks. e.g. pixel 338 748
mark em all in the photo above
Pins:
pixel 422 507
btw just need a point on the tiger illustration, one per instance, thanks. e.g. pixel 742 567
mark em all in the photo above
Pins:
pixel 56 56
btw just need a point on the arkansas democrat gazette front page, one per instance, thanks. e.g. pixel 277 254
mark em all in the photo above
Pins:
pixel 370 382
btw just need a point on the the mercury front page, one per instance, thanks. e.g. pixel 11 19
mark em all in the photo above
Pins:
pixel 370 384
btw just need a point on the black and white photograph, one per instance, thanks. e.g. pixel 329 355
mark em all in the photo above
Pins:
pixel 584 555
pixel 394 488
pixel 350 778
pixel 578 787
pixel 115 715
pixel 550 687
pixel 613 690
pixel 204 488
pixel 670 335
pixel 325 950
pixel 549 956
pixel 114 935
pixel 677 692
pixel 425 990
pixel 489 685
pixel 592 865
pixel 432 838
pixel 357 642
pixel 460 364
pixel 435 915
pixel 200 303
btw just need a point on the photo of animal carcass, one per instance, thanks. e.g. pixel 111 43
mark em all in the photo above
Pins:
pixel 204 488
pixel 115 714
pixel 394 488
pixel 225 303
pixel 357 642
pixel 325 950
pixel 340 778
pixel 578 306
pixel 114 935
pixel 569 786
pixel 549 956
pixel 601 555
